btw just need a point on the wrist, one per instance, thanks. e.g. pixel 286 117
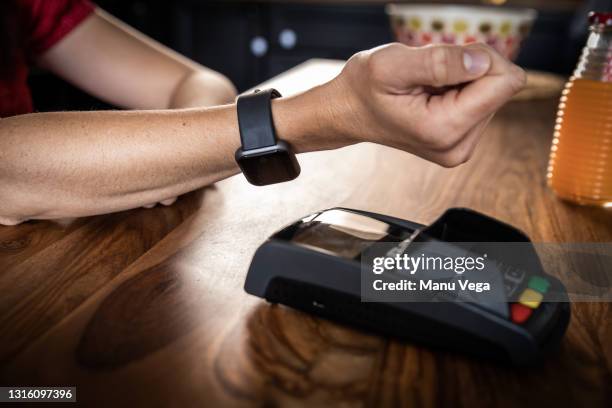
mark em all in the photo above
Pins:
pixel 310 121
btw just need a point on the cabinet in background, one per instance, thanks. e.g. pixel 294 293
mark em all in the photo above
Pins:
pixel 250 41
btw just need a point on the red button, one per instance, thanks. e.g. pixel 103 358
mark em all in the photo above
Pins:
pixel 520 313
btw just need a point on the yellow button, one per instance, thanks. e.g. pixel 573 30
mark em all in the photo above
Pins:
pixel 530 298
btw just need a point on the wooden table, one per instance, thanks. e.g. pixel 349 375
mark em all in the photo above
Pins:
pixel 147 306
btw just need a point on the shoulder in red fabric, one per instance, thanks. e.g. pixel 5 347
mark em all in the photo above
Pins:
pixel 42 24
pixel 47 22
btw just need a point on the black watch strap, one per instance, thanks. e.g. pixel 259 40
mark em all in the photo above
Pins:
pixel 256 133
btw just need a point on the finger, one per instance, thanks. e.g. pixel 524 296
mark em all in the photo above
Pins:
pixel 169 201
pixel 484 96
pixel 10 221
pixel 440 65
pixel 149 205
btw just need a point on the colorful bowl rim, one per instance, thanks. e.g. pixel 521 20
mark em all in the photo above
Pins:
pixel 517 12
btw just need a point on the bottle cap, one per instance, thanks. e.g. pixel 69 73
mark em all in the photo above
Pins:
pixel 600 18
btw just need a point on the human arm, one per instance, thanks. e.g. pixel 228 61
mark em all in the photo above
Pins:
pixel 55 165
pixel 70 164
pixel 122 66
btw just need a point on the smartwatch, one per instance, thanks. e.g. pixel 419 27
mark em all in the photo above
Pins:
pixel 262 158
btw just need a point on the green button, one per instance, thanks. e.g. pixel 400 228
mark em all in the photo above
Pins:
pixel 539 283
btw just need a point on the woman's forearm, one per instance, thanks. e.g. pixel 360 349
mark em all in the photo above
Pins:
pixel 69 164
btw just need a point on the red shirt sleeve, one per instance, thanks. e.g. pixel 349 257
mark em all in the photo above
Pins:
pixel 46 22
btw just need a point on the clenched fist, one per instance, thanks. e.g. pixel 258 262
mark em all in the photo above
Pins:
pixel 432 101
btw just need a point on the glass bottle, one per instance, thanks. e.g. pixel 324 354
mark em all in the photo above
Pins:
pixel 580 166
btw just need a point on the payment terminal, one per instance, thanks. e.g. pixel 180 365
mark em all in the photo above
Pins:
pixel 314 265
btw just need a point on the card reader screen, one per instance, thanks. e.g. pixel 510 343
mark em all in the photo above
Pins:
pixel 345 234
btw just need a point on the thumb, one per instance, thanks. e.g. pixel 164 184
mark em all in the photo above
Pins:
pixel 443 65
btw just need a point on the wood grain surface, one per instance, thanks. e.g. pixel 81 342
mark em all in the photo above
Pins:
pixel 146 307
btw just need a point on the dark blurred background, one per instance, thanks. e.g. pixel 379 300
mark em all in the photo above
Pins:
pixel 251 41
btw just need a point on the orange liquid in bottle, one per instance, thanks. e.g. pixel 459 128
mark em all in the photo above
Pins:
pixel 580 167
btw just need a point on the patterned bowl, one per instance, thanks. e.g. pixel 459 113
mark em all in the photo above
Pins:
pixel 502 28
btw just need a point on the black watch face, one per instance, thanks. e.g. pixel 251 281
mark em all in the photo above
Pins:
pixel 269 168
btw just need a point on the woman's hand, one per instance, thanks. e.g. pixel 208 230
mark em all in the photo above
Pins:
pixel 431 101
